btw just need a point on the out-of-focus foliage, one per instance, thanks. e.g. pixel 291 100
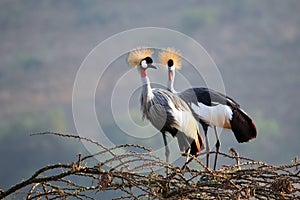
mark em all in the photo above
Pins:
pixel 30 122
pixel 195 19
pixel 16 144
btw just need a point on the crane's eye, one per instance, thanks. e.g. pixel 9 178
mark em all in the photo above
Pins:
pixel 144 64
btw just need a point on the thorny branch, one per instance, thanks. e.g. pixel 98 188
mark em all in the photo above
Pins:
pixel 136 173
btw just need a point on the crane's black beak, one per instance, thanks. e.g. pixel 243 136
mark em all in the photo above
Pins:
pixel 151 66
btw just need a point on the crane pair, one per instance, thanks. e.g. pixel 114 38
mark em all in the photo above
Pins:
pixel 179 112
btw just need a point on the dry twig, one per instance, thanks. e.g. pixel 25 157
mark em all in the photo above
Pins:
pixel 140 175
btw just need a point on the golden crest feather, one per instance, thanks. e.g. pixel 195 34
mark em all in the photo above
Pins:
pixel 138 54
pixel 170 53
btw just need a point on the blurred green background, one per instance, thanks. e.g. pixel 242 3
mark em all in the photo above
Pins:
pixel 255 44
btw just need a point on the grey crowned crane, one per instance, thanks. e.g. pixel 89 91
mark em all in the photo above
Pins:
pixel 210 107
pixel 166 111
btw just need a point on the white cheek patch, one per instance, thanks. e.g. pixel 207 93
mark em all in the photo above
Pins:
pixel 144 64
pixel 172 68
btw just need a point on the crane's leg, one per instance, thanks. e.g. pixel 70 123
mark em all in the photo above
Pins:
pixel 207 147
pixel 218 144
pixel 167 151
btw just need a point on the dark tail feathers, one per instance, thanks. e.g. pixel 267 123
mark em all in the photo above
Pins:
pixel 197 145
pixel 242 126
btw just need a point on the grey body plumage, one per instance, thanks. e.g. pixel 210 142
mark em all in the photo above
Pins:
pixel 160 113
pixel 210 107
pixel 166 111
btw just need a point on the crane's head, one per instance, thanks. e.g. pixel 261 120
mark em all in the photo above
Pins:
pixel 141 58
pixel 170 58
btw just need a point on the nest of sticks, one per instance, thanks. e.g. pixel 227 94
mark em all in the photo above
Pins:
pixel 138 174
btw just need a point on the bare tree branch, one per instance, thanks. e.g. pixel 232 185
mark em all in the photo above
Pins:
pixel 142 175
